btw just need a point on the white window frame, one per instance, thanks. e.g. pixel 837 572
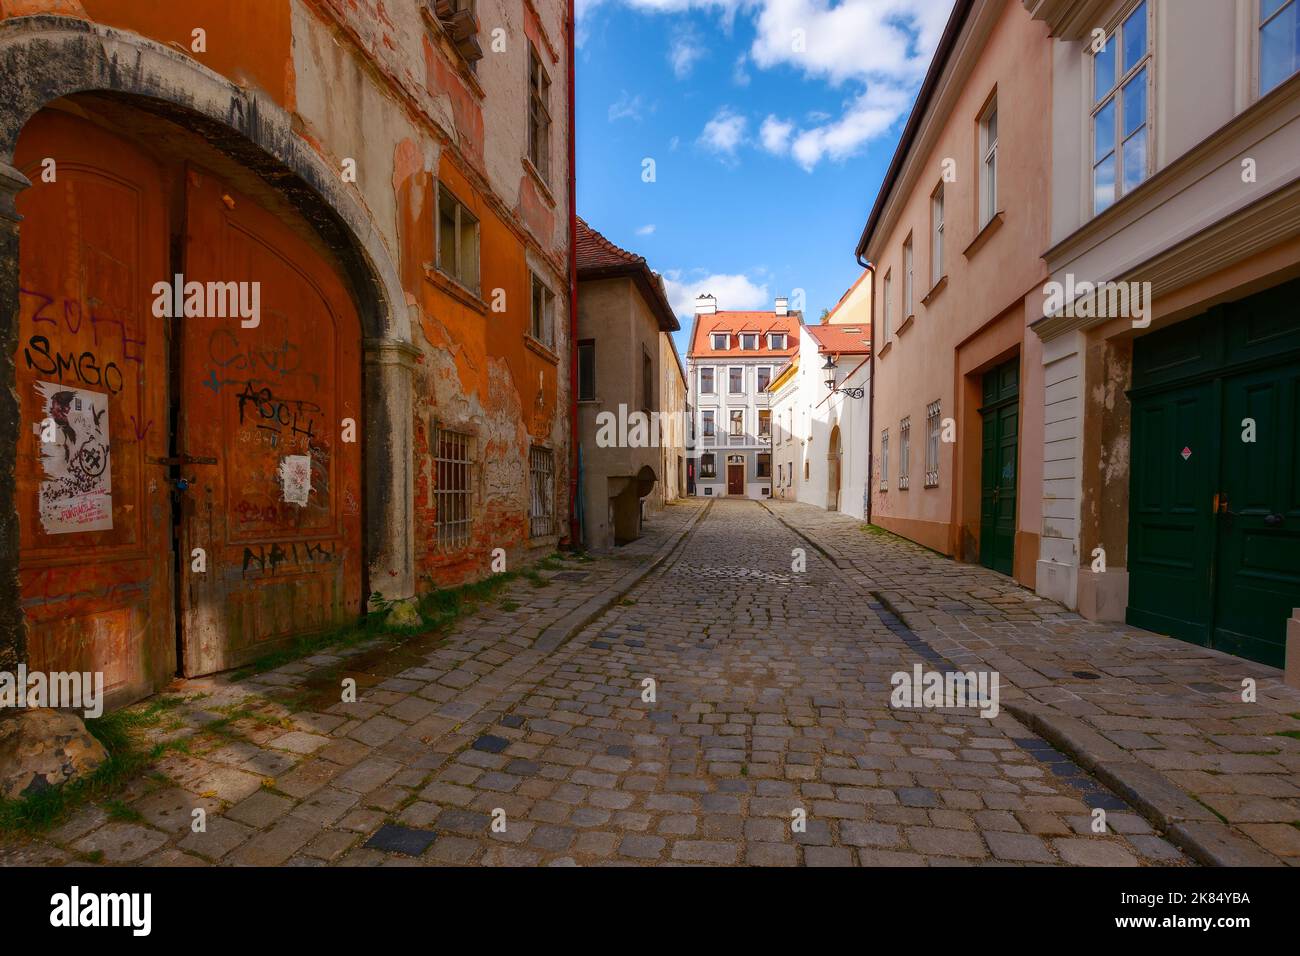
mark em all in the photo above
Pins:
pixel 726 341
pixel 713 380
pixel 904 452
pixel 1115 96
pixel 884 459
pixel 749 337
pixel 988 182
pixel 775 337
pixel 708 425
pixel 933 425
pixel 909 279
pixel 741 370
pixel 886 290
pixel 1257 40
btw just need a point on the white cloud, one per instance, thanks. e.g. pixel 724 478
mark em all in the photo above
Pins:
pixel 647 230
pixel 775 134
pixel 684 53
pixel 871 114
pixel 626 107
pixel 739 75
pixel 732 292
pixel 724 133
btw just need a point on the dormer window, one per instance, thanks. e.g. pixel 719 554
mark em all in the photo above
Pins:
pixel 720 343
pixel 776 340
pixel 749 340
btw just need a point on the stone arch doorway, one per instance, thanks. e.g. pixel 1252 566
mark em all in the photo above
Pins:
pixel 44 60
pixel 833 459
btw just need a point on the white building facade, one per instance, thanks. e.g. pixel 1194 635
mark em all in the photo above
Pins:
pixel 732 360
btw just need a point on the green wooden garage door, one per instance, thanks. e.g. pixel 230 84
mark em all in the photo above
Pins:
pixel 1214 523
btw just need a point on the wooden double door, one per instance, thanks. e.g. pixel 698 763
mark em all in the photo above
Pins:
pixel 185 493
pixel 999 464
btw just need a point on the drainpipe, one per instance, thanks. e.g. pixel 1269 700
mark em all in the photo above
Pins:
pixel 871 392
pixel 575 540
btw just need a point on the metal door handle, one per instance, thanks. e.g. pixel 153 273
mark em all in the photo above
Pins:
pixel 1274 520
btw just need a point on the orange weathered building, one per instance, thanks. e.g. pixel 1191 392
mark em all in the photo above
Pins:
pixel 394 183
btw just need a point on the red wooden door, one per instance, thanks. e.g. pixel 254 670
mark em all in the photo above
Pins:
pixel 735 479
pixel 275 491
pixel 95 523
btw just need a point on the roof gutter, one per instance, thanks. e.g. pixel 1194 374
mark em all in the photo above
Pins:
pixel 947 42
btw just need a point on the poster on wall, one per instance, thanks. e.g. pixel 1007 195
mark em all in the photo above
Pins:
pixel 77 493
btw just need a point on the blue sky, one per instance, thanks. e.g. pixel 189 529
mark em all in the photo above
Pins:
pixel 770 124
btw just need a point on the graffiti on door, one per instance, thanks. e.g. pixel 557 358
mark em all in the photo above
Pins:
pixel 77 493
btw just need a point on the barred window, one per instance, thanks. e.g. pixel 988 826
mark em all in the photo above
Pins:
pixel 541 481
pixel 452 490
pixel 932 445
pixel 884 460
pixel 904 452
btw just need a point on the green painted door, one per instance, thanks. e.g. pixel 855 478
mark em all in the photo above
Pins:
pixel 1171 515
pixel 1259 520
pixel 1001 415
pixel 1214 522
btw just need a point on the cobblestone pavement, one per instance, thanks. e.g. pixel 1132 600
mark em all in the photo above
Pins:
pixel 1122 693
pixel 771 697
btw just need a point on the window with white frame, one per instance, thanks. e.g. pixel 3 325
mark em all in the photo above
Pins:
pixel 904 452
pixel 936 235
pixel 764 465
pixel 543 324
pixel 908 284
pixel 706 381
pixel 541 483
pixel 736 381
pixel 1279 42
pixel 457 240
pixel 708 426
pixel 776 341
pixel 737 426
pixel 764 423
pixel 988 124
pixel 720 341
pixel 708 465
pixel 764 377
pixel 749 341
pixel 451 487
pixel 886 306
pixel 884 460
pixel 932 426
pixel 1121 105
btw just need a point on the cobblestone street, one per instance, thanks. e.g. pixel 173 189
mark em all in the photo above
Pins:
pixel 772 692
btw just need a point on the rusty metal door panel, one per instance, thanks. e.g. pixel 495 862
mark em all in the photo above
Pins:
pixel 95 524
pixel 275 494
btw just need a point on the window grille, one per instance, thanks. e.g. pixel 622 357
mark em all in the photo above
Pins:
pixel 541 480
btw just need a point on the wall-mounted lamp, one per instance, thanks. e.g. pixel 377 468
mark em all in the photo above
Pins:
pixel 829 368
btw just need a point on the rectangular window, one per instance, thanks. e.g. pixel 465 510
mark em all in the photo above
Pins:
pixel 886 294
pixel 706 381
pixel 541 483
pixel 884 460
pixel 904 452
pixel 708 468
pixel 989 163
pixel 1279 42
pixel 457 240
pixel 720 341
pixel 543 319
pixel 932 425
pixel 749 341
pixel 452 488
pixel 539 114
pixel 737 423
pixel 936 236
pixel 764 377
pixel 647 382
pixel 587 370
pixel 764 423
pixel 1121 96
pixel 776 341
pixel 708 427
pixel 908 310
pixel 764 465
pixel 458 20
pixel 736 381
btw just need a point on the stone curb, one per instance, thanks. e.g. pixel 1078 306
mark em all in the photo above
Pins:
pixel 563 629
pixel 1187 822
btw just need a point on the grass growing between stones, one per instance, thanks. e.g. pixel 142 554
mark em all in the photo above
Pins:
pixel 120 733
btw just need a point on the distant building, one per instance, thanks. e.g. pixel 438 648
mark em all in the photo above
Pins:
pixel 732 360
pixel 820 431
pixel 623 316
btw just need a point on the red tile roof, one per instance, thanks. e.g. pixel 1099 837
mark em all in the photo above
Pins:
pixel 737 322
pixel 841 339
pixel 598 258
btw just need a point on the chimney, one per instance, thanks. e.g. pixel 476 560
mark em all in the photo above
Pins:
pixel 782 305
pixel 706 305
